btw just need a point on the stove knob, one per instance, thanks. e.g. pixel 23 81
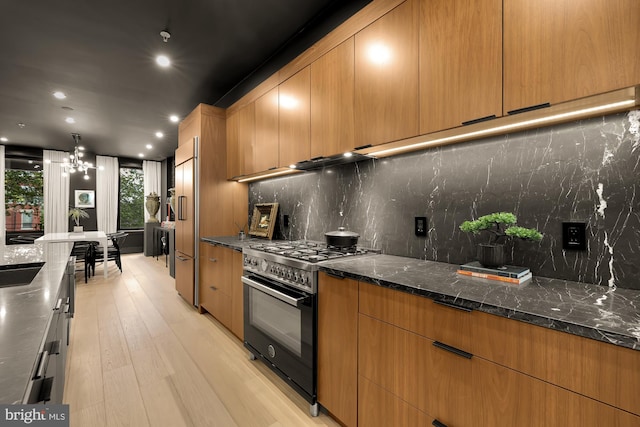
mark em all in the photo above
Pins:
pixel 303 278
pixel 289 274
pixel 246 260
pixel 295 276
pixel 282 272
pixel 254 262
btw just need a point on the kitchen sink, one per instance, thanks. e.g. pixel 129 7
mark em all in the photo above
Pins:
pixel 20 274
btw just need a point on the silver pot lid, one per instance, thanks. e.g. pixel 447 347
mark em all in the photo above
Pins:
pixel 341 232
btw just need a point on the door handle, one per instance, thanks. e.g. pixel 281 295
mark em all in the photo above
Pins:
pixel 274 293
pixel 181 215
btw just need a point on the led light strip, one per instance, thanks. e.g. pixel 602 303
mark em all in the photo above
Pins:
pixel 269 175
pixel 499 129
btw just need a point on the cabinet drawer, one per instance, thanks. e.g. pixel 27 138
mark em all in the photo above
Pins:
pixel 605 372
pixel 378 407
pixel 218 304
pixel 411 367
pixel 421 315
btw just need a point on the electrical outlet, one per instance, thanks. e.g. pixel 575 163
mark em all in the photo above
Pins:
pixel 420 227
pixel 574 236
pixel 285 220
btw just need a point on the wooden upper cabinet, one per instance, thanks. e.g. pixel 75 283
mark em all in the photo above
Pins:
pixel 332 101
pixel 558 50
pixel 386 77
pixel 295 118
pixel 265 153
pixel 234 157
pixel 189 128
pixel 246 139
pixel 460 62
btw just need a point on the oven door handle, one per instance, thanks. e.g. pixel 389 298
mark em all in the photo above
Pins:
pixel 274 293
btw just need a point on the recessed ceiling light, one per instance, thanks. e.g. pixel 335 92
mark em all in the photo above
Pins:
pixel 4 139
pixel 70 120
pixel 163 61
pixel 21 125
pixel 81 147
pixel 159 134
pixel 174 118
pixel 140 154
pixel 30 162
pixel 149 146
pixel 59 95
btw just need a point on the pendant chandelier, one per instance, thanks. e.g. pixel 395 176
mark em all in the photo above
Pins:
pixel 75 163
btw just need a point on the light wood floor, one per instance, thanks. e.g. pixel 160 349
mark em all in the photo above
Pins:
pixel 141 356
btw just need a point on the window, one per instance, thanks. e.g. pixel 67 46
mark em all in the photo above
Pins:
pixel 23 198
pixel 131 208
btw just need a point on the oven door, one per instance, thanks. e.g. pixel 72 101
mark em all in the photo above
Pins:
pixel 280 327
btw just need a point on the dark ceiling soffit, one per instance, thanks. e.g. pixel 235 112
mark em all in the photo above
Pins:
pixel 320 25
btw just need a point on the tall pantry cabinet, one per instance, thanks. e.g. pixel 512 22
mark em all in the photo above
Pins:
pixel 214 205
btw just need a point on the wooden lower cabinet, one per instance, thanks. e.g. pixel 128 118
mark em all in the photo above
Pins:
pixel 403 376
pixel 237 296
pixel 378 407
pixel 338 347
pixel 220 288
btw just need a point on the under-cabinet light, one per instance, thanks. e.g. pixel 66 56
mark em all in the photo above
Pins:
pixel 267 175
pixel 599 104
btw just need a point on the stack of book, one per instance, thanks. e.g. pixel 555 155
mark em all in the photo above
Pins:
pixel 507 273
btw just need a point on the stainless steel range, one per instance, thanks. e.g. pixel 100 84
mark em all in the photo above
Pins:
pixel 280 307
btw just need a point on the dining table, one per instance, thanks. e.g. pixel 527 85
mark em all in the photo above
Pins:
pixel 89 236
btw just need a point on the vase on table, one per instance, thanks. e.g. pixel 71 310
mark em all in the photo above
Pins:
pixel 152 204
pixel 172 200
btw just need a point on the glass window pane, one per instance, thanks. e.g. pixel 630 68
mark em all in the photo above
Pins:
pixel 131 199
pixel 23 200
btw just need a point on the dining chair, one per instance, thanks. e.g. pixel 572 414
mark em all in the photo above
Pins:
pixel 113 252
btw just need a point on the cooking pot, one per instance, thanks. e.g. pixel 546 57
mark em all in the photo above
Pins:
pixel 341 238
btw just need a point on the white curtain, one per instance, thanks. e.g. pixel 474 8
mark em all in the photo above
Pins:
pixel 56 192
pixel 107 196
pixel 152 181
pixel 4 203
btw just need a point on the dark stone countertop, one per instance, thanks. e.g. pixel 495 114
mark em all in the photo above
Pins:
pixel 593 311
pixel 231 242
pixel 25 311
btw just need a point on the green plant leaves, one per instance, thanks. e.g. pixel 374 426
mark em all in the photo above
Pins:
pixel 500 224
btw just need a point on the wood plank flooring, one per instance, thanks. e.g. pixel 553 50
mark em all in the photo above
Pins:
pixel 141 356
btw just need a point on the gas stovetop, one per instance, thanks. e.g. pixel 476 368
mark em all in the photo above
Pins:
pixel 310 251
pixel 294 263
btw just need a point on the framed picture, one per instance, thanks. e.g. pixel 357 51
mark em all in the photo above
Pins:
pixel 263 220
pixel 85 199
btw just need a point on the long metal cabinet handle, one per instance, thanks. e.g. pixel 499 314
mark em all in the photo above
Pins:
pixel 274 293
pixel 44 361
pixel 453 350
pixel 437 423
pixel 181 216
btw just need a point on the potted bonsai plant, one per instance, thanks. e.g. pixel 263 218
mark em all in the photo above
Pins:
pixel 76 214
pixel 499 226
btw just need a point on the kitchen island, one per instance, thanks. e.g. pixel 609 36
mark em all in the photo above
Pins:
pixel 25 313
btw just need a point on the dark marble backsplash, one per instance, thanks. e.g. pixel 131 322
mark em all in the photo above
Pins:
pixel 582 171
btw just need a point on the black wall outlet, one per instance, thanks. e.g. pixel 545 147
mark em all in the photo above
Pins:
pixel 574 236
pixel 420 226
